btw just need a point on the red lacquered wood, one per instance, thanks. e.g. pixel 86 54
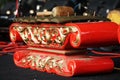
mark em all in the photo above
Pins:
pixel 14 34
pixel 62 65
pixel 80 35
pixel 91 65
pixel 93 34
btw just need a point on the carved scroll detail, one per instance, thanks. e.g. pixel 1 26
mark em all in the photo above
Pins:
pixel 53 36
pixel 43 63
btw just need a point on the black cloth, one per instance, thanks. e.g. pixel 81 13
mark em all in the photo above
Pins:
pixel 9 71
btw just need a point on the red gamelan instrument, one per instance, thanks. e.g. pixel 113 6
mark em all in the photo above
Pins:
pixel 66 36
pixel 61 64
pixel 61 48
pixel 56 41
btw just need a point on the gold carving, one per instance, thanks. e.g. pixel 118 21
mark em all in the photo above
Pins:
pixel 53 36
